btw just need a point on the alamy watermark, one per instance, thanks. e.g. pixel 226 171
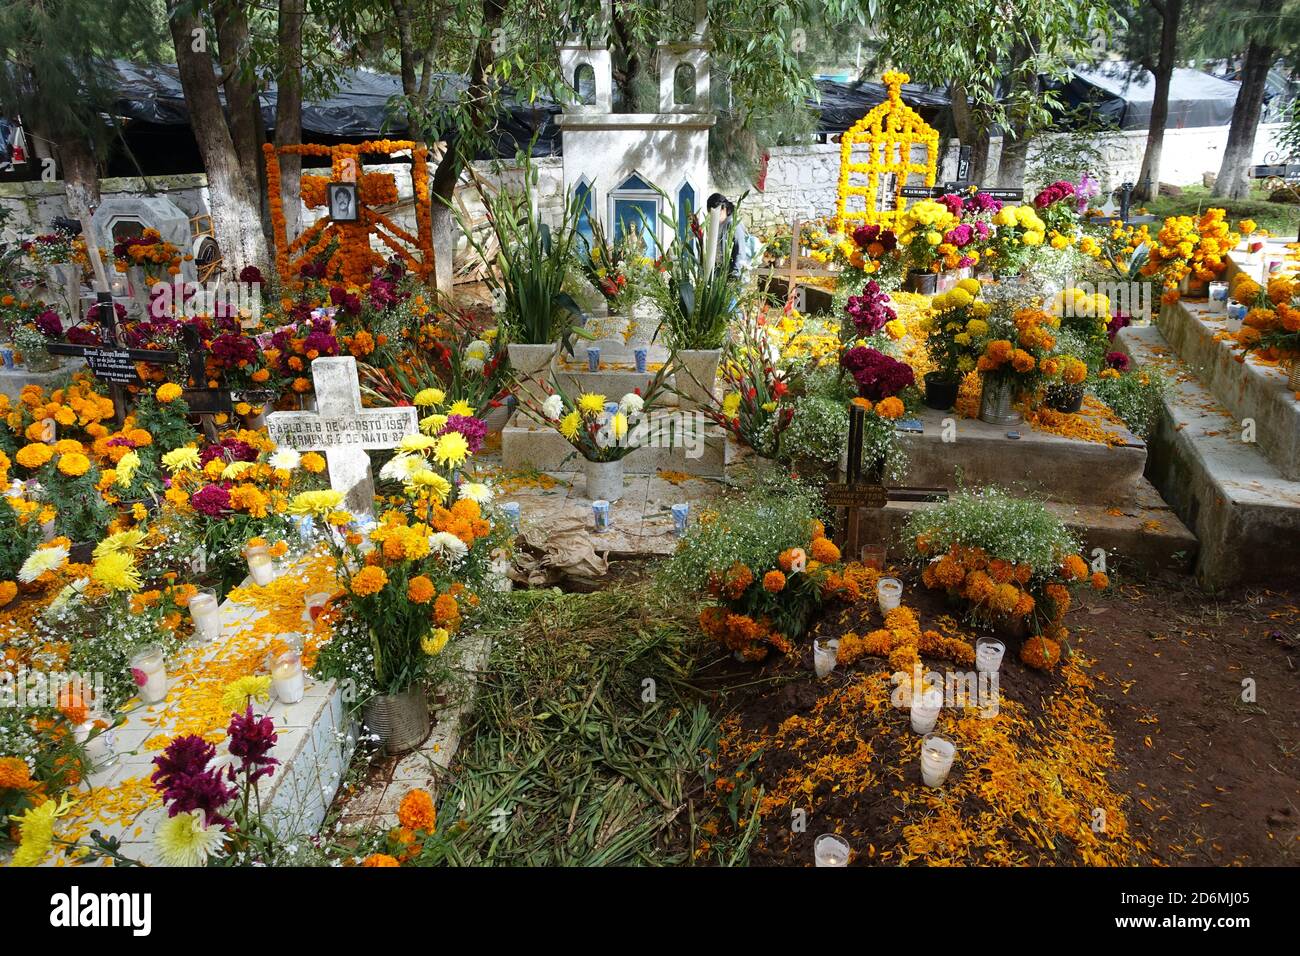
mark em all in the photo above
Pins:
pixel 32 689
pixel 1130 298
pixel 180 297
pixel 961 690
pixel 659 429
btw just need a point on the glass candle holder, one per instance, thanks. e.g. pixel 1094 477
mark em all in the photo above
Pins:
pixel 831 850
pixel 593 359
pixel 988 655
pixel 261 566
pixel 287 678
pixel 205 611
pixel 315 603
pixel 825 654
pixel 925 711
pixel 149 671
pixel 1219 297
pixel 873 556
pixel 98 744
pixel 600 515
pixel 889 594
pixel 937 754
pixel 1236 315
pixel 681 515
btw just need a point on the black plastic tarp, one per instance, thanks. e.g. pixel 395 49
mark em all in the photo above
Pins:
pixel 1122 93
pixel 843 104
pixel 357 109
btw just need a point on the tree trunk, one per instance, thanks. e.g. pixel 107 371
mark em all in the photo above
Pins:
pixel 241 87
pixel 236 220
pixel 1016 139
pixel 1170 15
pixel 288 108
pixel 76 163
pixel 972 132
pixel 1232 182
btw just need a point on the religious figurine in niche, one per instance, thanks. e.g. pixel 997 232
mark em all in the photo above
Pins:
pixel 343 202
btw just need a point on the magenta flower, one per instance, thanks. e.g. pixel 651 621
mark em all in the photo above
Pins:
pixel 1118 361
pixel 474 430
pixel 212 501
pixel 251 740
pixel 186 781
pixel 876 374
pixel 870 311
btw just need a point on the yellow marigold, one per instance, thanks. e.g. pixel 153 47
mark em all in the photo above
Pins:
pixel 14 774
pixel 168 392
pixel 369 580
pixel 420 589
pixel 417 811
pixel 313 462
pixel 34 455
pixel 8 591
pixel 74 464
pixel 1074 568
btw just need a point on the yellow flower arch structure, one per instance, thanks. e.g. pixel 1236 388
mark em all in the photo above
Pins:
pixel 888 132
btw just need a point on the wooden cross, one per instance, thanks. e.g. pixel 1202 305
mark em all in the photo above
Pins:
pixel 855 493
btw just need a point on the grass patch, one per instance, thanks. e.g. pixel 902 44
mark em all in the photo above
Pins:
pixel 1278 218
pixel 565 763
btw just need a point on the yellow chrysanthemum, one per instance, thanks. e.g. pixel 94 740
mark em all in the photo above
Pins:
pixel 589 403
pixel 429 480
pixel 116 571
pixel 184 840
pixel 36 831
pixel 570 424
pixel 239 691
pixel 430 397
pixel 463 408
pixel 124 541
pixel 181 459
pixel 318 503
pixel 452 450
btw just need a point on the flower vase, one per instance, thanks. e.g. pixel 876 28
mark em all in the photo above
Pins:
pixel 924 283
pixel 1064 398
pixel 941 391
pixel 997 398
pixel 528 360
pixel 604 480
pixel 697 376
pixel 400 720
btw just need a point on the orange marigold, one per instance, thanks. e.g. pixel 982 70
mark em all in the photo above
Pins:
pixel 417 811
pixel 445 609
pixel 420 589
pixel 825 551
pixel 369 580
pixel 1041 653
pixel 1099 581
pixel 774 582
pixel 380 859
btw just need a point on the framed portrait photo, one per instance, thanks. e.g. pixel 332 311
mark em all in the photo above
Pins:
pixel 343 202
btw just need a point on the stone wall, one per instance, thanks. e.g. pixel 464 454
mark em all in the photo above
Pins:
pixel 36 204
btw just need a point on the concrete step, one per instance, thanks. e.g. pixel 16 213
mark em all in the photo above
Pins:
pixel 1250 390
pixel 1143 535
pixel 612 381
pixel 1244 512
pixel 706 450
pixel 971 453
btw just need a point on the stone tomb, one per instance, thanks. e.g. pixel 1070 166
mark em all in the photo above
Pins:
pixel 343 430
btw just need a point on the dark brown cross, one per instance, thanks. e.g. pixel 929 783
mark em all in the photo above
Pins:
pixel 855 493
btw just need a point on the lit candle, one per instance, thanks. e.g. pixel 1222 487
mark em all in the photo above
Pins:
pixel 316 604
pixel 205 611
pixel 830 850
pixel 988 655
pixel 260 565
pixel 287 679
pixel 149 671
pixel 937 754
pixel 824 656
pixel 925 710
pixel 889 593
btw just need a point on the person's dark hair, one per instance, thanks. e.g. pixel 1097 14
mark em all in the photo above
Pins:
pixel 717 199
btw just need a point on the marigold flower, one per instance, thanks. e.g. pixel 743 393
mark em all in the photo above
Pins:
pixel 417 811
pixel 825 551
pixel 369 580
pixel 774 582
pixel 168 392
pixel 420 589
pixel 380 859
pixel 1041 653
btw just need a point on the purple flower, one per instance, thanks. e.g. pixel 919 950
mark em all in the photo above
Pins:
pixel 876 374
pixel 49 324
pixel 1119 320
pixel 1054 193
pixel 983 202
pixel 953 202
pixel 80 335
pixel 474 430
pixel 252 275
pixel 251 740
pixel 348 302
pixel 186 781
pixel 1087 188
pixel 959 235
pixel 1118 361
pixel 212 500
pixel 864 236
pixel 870 311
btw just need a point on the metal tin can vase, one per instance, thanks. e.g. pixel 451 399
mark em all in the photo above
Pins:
pixel 1293 379
pixel 604 480
pixel 997 402
pixel 400 720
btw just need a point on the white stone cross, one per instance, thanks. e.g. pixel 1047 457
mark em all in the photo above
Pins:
pixel 342 429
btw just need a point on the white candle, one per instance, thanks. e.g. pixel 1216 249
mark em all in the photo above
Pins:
pixel 937 754
pixel 824 656
pixel 287 679
pixel 889 592
pixel 988 655
pixel 830 850
pixel 149 671
pixel 206 614
pixel 925 711
pixel 260 566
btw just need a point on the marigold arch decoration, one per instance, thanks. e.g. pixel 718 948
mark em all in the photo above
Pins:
pixel 888 132
pixel 352 257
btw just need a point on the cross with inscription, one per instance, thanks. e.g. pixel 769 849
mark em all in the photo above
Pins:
pixel 344 430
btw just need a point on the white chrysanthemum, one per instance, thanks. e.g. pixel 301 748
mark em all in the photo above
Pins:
pixel 286 459
pixel 184 840
pixel 478 350
pixel 631 403
pixel 400 467
pixel 42 560
pixel 553 407
pixel 447 545
pixel 476 491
